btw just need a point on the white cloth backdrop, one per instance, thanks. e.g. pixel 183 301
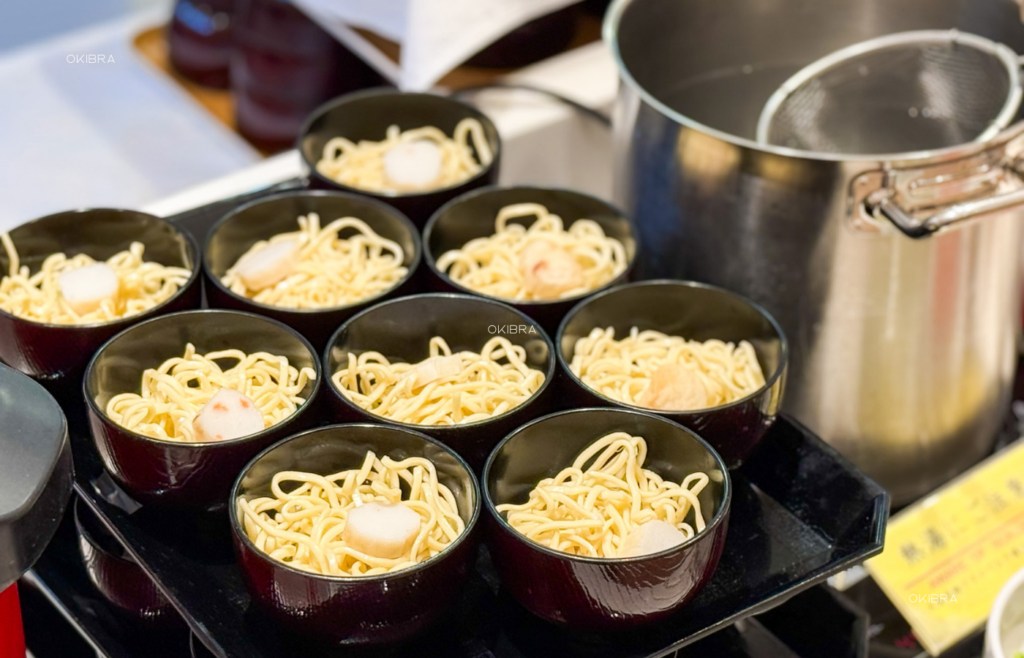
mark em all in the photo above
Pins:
pixel 436 35
pixel 75 134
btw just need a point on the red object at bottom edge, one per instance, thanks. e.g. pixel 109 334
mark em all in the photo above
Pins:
pixel 12 637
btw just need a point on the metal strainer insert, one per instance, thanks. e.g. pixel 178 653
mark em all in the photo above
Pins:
pixel 909 91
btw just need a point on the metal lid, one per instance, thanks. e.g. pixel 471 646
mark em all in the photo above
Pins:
pixel 35 472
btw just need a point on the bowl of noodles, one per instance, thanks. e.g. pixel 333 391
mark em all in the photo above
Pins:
pixel 413 151
pixel 702 356
pixel 356 534
pixel 602 519
pixel 541 250
pixel 70 281
pixel 178 404
pixel 463 370
pixel 310 259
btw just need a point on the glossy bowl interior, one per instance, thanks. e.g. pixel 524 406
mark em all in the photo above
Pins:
pixel 366 115
pixel 117 576
pixel 173 473
pixel 56 353
pixel 472 216
pixel 1004 632
pixel 401 330
pixel 693 311
pixel 338 610
pixel 602 593
pixel 264 218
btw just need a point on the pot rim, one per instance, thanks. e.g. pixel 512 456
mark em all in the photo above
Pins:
pixel 993 627
pixel 609 33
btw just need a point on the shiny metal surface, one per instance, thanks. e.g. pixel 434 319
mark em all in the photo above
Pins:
pixel 924 89
pixel 902 348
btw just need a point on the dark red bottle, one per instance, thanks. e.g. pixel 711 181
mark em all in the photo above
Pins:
pixel 199 40
pixel 283 67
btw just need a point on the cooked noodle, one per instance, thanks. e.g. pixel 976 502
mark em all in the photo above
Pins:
pixel 494 265
pixel 623 369
pixel 590 509
pixel 173 394
pixel 37 297
pixel 302 526
pixel 361 165
pixel 475 386
pixel 329 270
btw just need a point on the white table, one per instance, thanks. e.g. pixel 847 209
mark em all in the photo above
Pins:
pixel 76 135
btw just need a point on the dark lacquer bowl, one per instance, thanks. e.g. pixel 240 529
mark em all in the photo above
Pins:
pixel 57 354
pixel 401 330
pixel 541 38
pixel 264 218
pixel 117 576
pixel 472 216
pixel 366 115
pixel 694 311
pixel 193 476
pixel 347 610
pixel 596 594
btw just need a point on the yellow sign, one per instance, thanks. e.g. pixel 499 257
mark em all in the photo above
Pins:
pixel 947 556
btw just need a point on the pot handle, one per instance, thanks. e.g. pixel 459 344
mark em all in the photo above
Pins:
pixel 913 228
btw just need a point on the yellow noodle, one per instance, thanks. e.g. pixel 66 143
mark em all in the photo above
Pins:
pixel 590 509
pixel 491 265
pixel 362 165
pixel 331 271
pixel 173 394
pixel 302 526
pixel 488 384
pixel 622 369
pixel 37 297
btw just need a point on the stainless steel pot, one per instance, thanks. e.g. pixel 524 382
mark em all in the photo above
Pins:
pixel 901 313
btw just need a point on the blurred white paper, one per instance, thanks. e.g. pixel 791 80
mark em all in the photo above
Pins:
pixel 435 35
pixel 385 17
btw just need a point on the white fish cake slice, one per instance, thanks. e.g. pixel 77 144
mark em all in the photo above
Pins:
pixel 227 415
pixel 549 271
pixel 413 165
pixel 381 530
pixel 651 537
pixel 674 387
pixel 268 266
pixel 434 369
pixel 85 288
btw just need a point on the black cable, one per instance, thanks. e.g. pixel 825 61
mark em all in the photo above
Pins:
pixel 600 117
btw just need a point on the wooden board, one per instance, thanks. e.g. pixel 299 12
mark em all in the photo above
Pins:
pixel 151 44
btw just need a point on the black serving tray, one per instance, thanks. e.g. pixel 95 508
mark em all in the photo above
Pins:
pixel 800 513
pixel 840 631
pixel 59 577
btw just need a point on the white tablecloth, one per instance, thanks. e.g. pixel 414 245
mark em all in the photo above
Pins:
pixel 75 134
